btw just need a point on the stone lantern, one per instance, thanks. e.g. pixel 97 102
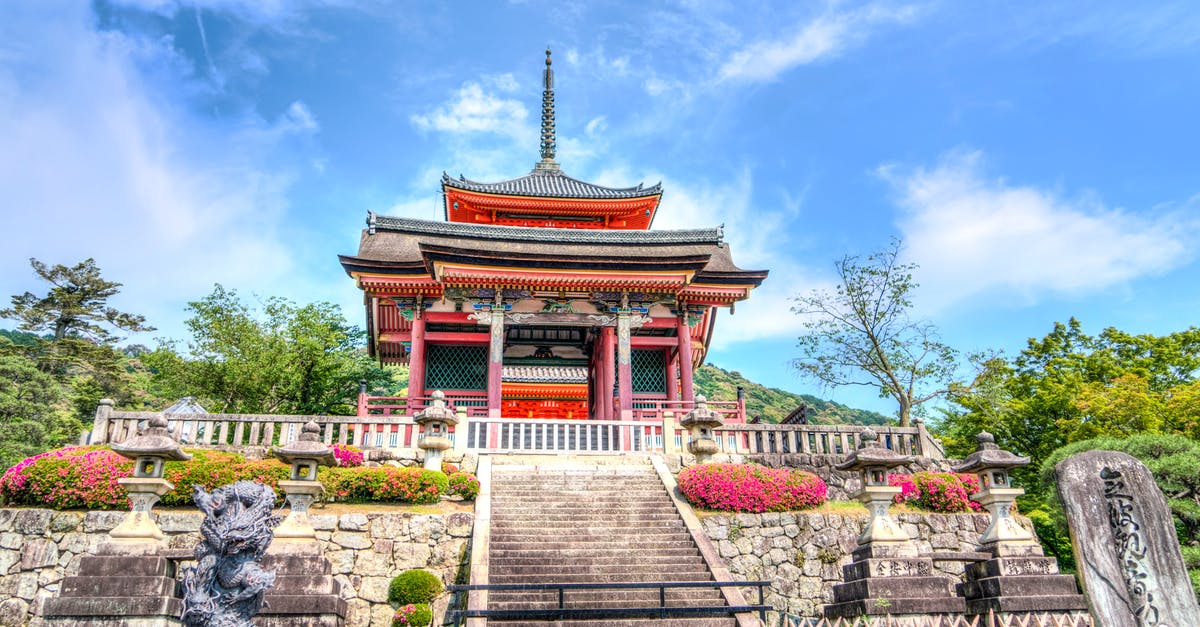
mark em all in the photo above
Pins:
pixel 1004 537
pixel 149 451
pixel 874 462
pixel 885 563
pixel 700 423
pixel 435 422
pixel 301 488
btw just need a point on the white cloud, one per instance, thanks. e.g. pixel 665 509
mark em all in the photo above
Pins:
pixel 473 110
pixel 824 36
pixel 99 161
pixel 973 235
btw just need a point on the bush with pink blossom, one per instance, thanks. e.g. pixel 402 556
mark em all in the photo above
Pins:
pixel 942 492
pixel 750 488
pixel 347 456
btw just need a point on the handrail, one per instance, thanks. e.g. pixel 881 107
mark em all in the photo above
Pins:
pixel 661 610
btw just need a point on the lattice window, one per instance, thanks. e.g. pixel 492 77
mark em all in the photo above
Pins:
pixel 648 369
pixel 455 367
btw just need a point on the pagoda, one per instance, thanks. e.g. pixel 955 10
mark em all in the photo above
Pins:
pixel 545 296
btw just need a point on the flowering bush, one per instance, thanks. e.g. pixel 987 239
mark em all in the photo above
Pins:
pixel 750 488
pixel 86 477
pixel 414 614
pixel 385 483
pixel 943 492
pixel 449 469
pixel 347 456
pixel 463 484
pixel 69 478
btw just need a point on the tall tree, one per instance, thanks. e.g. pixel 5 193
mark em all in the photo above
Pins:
pixel 76 305
pixel 862 334
pixel 286 358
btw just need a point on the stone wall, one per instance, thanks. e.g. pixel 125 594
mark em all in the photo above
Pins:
pixel 802 553
pixel 39 547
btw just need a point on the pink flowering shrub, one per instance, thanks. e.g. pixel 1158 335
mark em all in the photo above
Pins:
pixel 942 492
pixel 70 478
pixel 385 483
pixel 750 488
pixel 463 484
pixel 347 456
pixel 412 615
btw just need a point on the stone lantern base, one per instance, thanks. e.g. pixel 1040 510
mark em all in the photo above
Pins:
pixel 138 533
pixel 296 528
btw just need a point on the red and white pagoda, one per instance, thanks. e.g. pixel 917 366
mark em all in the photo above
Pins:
pixel 545 296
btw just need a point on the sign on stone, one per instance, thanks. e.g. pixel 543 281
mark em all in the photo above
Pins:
pixel 1125 544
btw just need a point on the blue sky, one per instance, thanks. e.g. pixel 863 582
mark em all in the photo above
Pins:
pixel 1040 160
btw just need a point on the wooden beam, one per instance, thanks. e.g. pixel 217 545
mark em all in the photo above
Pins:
pixel 456 337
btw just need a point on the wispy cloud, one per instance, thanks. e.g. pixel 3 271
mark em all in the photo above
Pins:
pixel 474 109
pixel 823 36
pixel 975 235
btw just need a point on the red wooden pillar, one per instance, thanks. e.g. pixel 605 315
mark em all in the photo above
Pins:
pixel 672 379
pixel 416 364
pixel 608 367
pixel 684 335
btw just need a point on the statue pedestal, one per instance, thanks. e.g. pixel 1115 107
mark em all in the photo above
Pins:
pixel 297 527
pixel 117 590
pixel 139 527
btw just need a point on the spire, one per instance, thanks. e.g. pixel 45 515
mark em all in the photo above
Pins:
pixel 548 142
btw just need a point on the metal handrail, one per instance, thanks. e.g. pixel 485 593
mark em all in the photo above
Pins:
pixel 660 611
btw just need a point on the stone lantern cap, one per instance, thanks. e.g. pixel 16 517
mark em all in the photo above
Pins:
pixel 155 441
pixel 701 416
pixel 988 455
pixel 437 412
pixel 307 446
pixel 869 454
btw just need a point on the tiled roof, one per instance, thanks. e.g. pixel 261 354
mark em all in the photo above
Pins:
pixel 550 184
pixel 544 374
pixel 537 234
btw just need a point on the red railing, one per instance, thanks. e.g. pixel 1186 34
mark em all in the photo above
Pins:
pixel 474 402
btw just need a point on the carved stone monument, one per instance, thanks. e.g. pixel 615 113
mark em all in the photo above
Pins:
pixel 227 585
pixel 1125 544
pixel 700 423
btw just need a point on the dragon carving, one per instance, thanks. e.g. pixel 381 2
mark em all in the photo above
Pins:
pixel 227 585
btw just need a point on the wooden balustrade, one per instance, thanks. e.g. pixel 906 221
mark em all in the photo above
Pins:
pixel 396 430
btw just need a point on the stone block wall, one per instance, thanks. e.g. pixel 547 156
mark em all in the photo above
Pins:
pixel 39 547
pixel 802 554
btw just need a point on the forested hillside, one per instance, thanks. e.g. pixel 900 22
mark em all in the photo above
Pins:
pixel 773 404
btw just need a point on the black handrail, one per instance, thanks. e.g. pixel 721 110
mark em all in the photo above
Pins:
pixel 661 611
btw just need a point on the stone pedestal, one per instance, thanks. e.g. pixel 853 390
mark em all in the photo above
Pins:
pixel 890 580
pixel 139 527
pixel 305 593
pixel 117 590
pixel 297 527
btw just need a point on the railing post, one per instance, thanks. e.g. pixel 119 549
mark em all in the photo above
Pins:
pixel 362 397
pixel 668 432
pixel 929 445
pixel 100 422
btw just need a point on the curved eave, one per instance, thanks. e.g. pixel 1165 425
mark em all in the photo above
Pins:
pixel 748 278
pixel 598 192
pixel 435 254
pixel 353 265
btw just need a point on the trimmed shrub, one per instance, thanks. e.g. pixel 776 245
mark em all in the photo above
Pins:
pixel 347 456
pixel 942 492
pixel 70 478
pixel 449 468
pixel 414 586
pixel 385 483
pixel 464 485
pixel 414 614
pixel 750 488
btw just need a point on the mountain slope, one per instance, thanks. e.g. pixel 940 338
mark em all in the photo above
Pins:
pixel 774 404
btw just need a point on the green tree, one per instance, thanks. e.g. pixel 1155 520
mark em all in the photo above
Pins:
pixel 862 334
pixel 287 358
pixel 34 411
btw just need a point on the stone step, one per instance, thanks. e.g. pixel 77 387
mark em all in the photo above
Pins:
pixel 607 552
pixel 579 515
pixel 116 585
pixel 649 596
pixel 622 622
pixel 570 573
pixel 607 602
pixel 592 527
pixel 629 559
pixel 132 566
pixel 610 577
pixel 650 544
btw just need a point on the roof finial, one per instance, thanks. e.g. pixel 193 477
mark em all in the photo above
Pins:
pixel 548 141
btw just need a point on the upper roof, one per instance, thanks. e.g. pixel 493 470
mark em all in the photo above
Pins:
pixel 377 223
pixel 547 183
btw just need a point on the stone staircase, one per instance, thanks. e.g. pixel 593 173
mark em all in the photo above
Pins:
pixel 592 522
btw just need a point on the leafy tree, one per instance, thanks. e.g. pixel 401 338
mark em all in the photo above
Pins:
pixel 862 334
pixel 34 412
pixel 75 307
pixel 285 359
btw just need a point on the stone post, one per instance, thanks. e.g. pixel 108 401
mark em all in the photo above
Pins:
pixel 495 358
pixel 461 430
pixel 624 364
pixel 100 422
pixel 668 433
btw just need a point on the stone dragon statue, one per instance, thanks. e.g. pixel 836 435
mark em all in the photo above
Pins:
pixel 227 585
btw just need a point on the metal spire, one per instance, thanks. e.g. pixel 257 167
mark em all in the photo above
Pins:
pixel 548 141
